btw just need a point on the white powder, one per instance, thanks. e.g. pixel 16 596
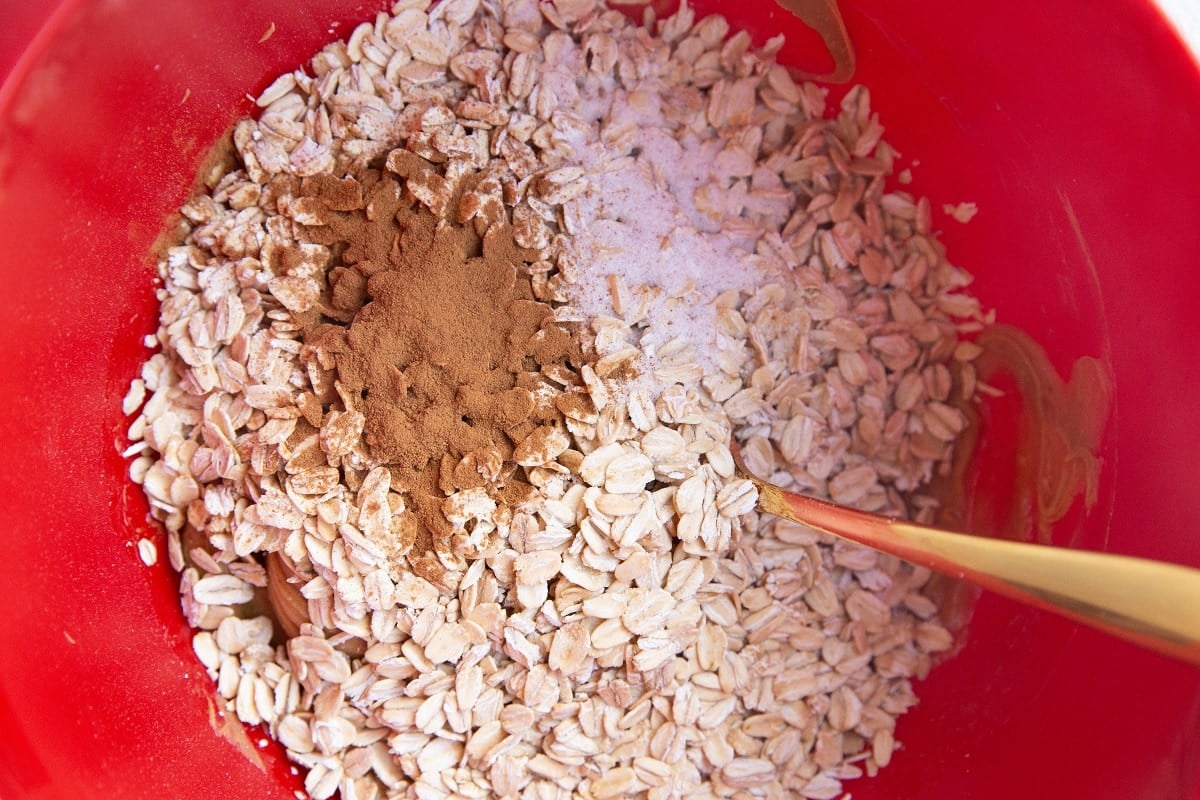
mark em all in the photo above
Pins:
pixel 646 227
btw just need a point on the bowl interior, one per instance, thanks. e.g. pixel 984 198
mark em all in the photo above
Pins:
pixel 1073 127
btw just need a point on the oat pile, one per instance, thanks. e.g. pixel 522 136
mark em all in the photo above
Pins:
pixel 732 264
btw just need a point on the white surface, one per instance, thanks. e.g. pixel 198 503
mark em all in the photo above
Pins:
pixel 1185 15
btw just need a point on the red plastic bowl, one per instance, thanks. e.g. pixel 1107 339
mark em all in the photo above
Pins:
pixel 1074 126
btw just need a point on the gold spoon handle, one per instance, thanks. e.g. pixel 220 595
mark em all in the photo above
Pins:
pixel 1154 604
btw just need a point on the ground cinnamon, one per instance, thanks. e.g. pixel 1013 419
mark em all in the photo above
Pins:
pixel 437 339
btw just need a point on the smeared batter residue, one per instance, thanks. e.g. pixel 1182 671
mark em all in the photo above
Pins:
pixel 1061 427
pixel 227 726
pixel 824 17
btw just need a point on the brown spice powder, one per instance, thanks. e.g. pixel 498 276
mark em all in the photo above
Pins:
pixel 438 340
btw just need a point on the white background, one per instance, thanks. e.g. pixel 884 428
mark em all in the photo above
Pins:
pixel 1185 14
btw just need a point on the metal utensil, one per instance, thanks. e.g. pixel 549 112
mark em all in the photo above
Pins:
pixel 1154 604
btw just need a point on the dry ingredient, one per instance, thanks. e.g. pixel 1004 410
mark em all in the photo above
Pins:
pixel 431 334
pixel 451 361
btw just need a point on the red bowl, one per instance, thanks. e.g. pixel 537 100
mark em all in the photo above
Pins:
pixel 1074 126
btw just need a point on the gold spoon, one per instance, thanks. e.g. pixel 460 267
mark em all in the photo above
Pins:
pixel 1154 604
